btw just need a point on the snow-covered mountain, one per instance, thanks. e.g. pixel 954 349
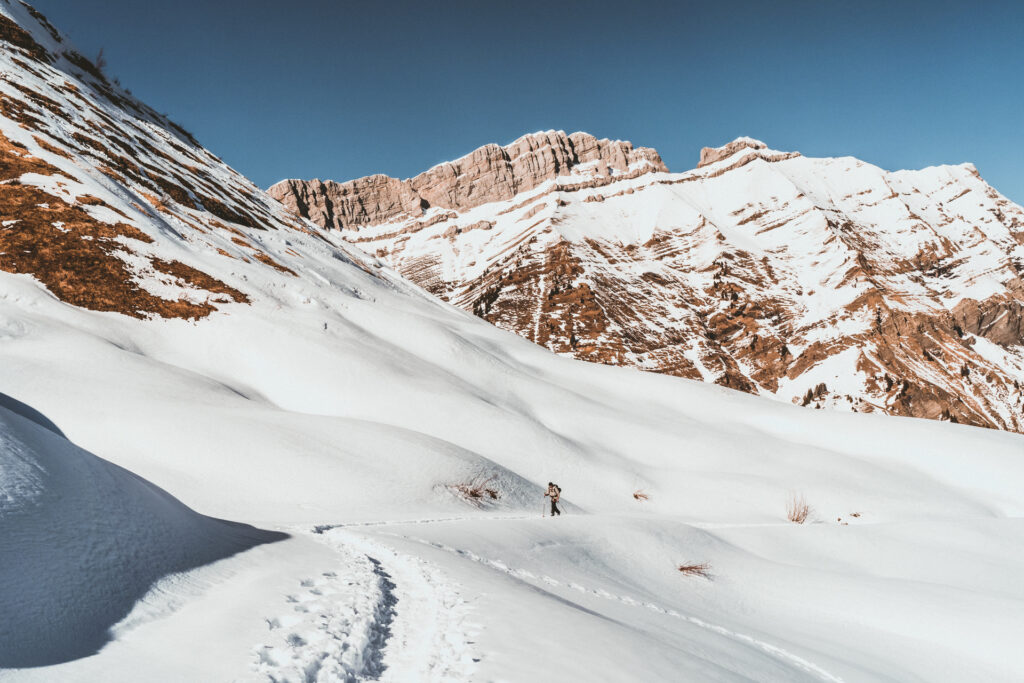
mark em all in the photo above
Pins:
pixel 180 357
pixel 825 282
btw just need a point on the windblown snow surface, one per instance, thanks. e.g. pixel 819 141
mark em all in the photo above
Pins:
pixel 344 407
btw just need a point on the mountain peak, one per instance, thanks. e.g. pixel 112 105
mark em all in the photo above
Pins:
pixel 487 174
pixel 710 155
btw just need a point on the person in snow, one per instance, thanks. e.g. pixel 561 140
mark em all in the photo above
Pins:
pixel 555 492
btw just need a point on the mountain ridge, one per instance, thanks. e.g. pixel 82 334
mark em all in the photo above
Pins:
pixel 488 173
pixel 705 274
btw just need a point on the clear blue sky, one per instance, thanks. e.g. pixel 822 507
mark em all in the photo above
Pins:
pixel 315 88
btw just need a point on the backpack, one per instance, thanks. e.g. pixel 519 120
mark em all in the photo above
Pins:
pixel 559 489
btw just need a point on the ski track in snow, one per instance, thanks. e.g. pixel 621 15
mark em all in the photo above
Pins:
pixel 523 574
pixel 323 528
pixel 782 654
pixel 391 619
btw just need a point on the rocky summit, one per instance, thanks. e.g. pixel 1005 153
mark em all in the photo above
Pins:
pixel 828 282
pixel 489 174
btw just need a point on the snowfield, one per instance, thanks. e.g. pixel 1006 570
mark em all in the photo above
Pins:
pixel 278 491
pixel 360 430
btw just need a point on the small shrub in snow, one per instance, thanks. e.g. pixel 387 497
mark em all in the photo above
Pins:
pixel 798 510
pixel 477 491
pixel 100 61
pixel 702 570
pixel 852 514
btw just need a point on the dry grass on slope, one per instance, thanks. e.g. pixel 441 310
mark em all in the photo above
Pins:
pixel 702 570
pixel 477 492
pixel 76 256
pixel 19 37
pixel 797 509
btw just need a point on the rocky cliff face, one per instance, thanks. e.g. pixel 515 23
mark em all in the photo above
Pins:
pixel 710 155
pixel 489 174
pixel 826 282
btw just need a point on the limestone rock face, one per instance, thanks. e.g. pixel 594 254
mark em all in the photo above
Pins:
pixel 710 155
pixel 489 174
pixel 999 319
pixel 830 283
pixel 366 201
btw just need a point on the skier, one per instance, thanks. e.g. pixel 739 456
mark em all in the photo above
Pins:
pixel 555 491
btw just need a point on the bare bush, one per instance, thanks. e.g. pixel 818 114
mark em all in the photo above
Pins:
pixel 477 491
pixel 702 570
pixel 639 494
pixel 797 510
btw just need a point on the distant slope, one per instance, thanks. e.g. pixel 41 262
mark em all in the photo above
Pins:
pixel 827 282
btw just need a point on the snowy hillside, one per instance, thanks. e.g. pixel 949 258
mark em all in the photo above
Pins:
pixel 824 282
pixel 278 378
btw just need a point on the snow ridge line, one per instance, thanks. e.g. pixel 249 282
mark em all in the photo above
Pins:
pixel 523 574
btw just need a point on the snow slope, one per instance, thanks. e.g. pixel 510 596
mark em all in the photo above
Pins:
pixel 83 540
pixel 335 402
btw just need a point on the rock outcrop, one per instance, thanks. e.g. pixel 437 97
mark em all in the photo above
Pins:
pixel 366 201
pixel 489 174
pixel 710 155
pixel 826 282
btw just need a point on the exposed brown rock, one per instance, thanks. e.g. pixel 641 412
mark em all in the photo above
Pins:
pixel 493 173
pixel 709 155
pixel 1000 319
pixel 490 173
pixel 366 201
